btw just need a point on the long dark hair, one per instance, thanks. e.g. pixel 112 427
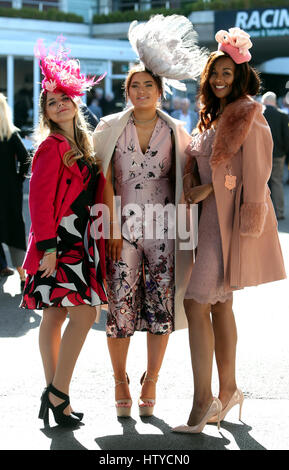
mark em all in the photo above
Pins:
pixel 246 82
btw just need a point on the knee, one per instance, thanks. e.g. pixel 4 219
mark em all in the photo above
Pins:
pixel 54 317
pixel 194 310
pixel 82 316
pixel 222 309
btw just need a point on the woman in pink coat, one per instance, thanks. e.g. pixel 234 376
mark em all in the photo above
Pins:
pixel 228 167
pixel 64 261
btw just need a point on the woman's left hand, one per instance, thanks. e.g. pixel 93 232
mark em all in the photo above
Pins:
pixel 198 193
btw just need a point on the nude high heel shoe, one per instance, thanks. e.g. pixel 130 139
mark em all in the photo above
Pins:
pixel 236 399
pixel 123 406
pixel 214 410
pixel 146 405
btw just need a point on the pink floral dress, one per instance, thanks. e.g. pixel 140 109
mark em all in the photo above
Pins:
pixel 141 284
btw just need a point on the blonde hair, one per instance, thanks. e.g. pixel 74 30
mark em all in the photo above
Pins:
pixel 7 127
pixel 81 146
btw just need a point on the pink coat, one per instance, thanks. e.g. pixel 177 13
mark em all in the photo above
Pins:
pixel 241 164
pixel 53 188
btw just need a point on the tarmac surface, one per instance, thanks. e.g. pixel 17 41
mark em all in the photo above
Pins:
pixel 262 316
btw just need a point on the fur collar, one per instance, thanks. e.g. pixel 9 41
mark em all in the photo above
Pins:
pixel 233 128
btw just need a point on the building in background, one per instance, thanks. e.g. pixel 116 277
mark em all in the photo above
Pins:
pixel 100 42
pixel 19 71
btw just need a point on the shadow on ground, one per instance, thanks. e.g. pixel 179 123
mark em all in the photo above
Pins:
pixel 16 321
pixel 130 440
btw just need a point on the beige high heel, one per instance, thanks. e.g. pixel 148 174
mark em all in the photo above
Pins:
pixel 123 406
pixel 236 399
pixel 146 405
pixel 214 410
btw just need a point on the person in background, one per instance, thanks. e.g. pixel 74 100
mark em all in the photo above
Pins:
pixel 21 108
pixel 186 115
pixel 166 106
pixel 99 95
pixel 108 105
pixel 279 125
pixel 287 163
pixel 14 165
pixel 285 104
pixel 95 108
pixel 176 104
pixel 4 270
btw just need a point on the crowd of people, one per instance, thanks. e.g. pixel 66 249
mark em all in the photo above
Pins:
pixel 144 156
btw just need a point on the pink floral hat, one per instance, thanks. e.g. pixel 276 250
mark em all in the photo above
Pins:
pixel 236 43
pixel 60 72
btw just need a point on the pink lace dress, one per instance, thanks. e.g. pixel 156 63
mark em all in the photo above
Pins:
pixel 206 284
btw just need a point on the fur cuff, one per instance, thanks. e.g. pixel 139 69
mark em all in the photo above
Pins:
pixel 252 218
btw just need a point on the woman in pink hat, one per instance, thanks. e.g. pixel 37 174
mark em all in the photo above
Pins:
pixel 228 167
pixel 64 262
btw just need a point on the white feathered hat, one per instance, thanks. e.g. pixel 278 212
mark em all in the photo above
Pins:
pixel 167 47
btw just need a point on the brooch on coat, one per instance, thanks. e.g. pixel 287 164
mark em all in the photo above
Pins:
pixel 230 180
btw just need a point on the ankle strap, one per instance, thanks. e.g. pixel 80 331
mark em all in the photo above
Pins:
pixel 119 382
pixel 57 392
pixel 145 378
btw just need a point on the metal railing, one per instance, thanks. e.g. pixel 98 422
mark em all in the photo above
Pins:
pixel 42 5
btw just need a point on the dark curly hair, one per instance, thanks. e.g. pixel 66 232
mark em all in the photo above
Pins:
pixel 246 82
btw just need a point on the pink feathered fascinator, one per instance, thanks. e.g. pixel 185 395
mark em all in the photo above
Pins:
pixel 236 43
pixel 60 72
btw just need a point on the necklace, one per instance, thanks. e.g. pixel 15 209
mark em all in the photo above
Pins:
pixel 143 122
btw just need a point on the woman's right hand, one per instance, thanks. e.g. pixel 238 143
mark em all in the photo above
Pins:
pixel 198 193
pixel 48 264
pixel 113 248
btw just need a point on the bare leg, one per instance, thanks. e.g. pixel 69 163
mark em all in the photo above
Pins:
pixel 50 339
pixel 156 348
pixel 81 319
pixel 21 272
pixel 118 349
pixel 225 332
pixel 201 338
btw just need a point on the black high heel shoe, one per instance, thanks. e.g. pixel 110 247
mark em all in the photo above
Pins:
pixel 78 414
pixel 59 416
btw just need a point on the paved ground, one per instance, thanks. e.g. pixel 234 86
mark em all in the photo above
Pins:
pixel 262 316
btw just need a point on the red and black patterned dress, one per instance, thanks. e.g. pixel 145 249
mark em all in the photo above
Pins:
pixel 78 278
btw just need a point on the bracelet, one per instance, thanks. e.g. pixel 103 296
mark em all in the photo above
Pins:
pixel 49 251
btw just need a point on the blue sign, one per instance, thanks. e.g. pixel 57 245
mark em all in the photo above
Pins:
pixel 264 22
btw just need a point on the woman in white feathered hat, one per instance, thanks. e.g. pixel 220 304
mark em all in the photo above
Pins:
pixel 142 150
